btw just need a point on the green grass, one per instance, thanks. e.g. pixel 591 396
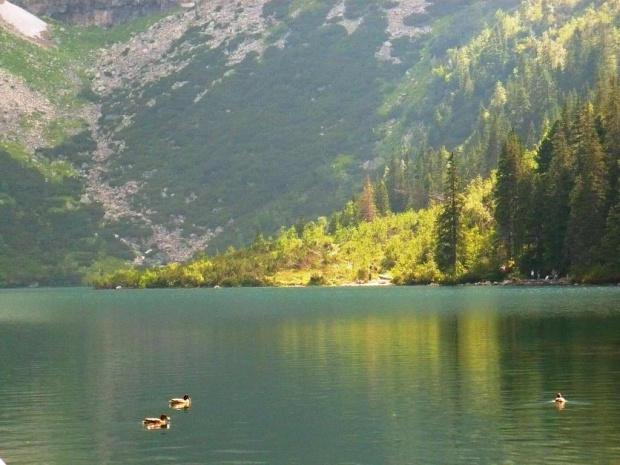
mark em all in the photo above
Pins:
pixel 58 131
pixel 59 71
pixel 301 6
pixel 54 171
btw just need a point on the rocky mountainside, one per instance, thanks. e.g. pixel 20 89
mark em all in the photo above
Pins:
pixel 239 33
pixel 167 212
pixel 200 127
pixel 104 13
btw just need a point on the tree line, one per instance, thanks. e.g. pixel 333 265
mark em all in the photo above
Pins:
pixel 552 211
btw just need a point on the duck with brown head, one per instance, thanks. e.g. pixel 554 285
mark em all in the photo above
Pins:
pixel 183 403
pixel 155 423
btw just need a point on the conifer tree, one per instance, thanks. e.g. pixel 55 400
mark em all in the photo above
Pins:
pixel 557 184
pixel 611 242
pixel 350 214
pixel 538 204
pixel 367 207
pixel 609 97
pixel 589 195
pixel 395 183
pixel 382 200
pixel 449 222
pixel 334 223
pixel 510 194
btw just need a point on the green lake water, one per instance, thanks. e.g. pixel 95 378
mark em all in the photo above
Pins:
pixel 316 376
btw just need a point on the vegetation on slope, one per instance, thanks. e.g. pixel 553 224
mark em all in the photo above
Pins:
pixel 516 73
pixel 554 211
pixel 275 137
pixel 49 233
pixel 283 137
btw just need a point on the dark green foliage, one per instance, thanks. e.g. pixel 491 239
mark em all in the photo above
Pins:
pixel 382 199
pixel 511 192
pixel 47 237
pixel 76 150
pixel 555 185
pixel 589 195
pixel 449 223
pixel 261 144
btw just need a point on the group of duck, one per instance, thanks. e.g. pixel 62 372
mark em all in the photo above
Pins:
pixel 163 422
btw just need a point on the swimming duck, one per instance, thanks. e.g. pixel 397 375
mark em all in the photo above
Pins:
pixel 559 399
pixel 153 423
pixel 177 403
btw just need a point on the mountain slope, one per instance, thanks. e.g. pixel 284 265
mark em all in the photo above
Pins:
pixel 261 114
pixel 224 119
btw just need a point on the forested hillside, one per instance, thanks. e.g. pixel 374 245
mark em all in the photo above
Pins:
pixel 231 120
pixel 280 123
pixel 516 73
pixel 547 216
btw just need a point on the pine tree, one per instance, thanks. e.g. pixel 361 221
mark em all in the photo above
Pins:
pixel 608 94
pixel 382 200
pixel 367 207
pixel 589 195
pixel 557 184
pixel 511 194
pixel 350 214
pixel 334 223
pixel 395 183
pixel 449 222
pixel 611 242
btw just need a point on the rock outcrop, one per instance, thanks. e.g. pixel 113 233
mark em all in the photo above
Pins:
pixel 94 12
pixel 238 27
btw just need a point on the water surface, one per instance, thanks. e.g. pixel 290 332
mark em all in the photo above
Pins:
pixel 311 376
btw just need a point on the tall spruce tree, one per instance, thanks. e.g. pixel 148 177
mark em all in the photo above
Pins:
pixel 539 205
pixel 511 194
pixel 382 199
pixel 588 198
pixel 396 185
pixel 608 94
pixel 449 222
pixel 556 188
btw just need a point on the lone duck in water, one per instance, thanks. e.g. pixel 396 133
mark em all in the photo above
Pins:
pixel 153 423
pixel 559 399
pixel 177 403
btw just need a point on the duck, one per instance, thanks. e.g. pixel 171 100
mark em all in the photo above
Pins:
pixel 559 399
pixel 178 403
pixel 153 423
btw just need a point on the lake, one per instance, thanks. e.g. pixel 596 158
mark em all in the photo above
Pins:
pixel 311 376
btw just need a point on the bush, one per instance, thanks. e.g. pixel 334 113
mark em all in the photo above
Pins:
pixel 317 280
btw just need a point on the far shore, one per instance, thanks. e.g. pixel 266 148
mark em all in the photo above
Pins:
pixel 506 282
pixel 384 282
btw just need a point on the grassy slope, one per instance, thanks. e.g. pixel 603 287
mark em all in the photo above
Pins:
pixel 284 136
pixel 46 235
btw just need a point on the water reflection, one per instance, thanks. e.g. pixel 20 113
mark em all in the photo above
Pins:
pixel 464 374
pixel 311 376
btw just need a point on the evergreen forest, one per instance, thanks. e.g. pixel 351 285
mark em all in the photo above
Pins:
pixel 483 149
pixel 551 214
